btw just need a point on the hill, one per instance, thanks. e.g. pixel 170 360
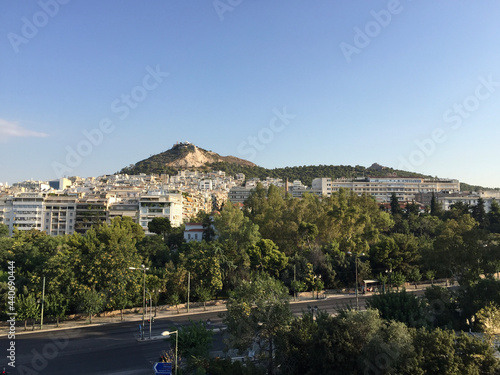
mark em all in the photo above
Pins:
pixel 183 156
pixel 188 156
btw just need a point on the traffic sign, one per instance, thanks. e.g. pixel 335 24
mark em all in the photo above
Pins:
pixel 163 368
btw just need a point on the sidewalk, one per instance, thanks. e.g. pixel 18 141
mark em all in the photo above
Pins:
pixel 129 315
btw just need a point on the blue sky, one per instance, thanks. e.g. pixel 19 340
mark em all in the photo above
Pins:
pixel 88 87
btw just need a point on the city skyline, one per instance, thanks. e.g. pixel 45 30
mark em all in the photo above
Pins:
pixel 89 88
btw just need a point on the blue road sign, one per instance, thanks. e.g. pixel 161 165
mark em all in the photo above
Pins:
pixel 163 368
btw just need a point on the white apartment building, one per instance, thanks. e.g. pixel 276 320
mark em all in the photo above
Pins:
pixel 27 211
pixel 59 215
pixel 6 210
pixel 160 204
pixel 382 188
pixel 471 199
pixel 206 184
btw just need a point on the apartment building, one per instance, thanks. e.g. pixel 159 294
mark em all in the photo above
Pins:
pixel 91 211
pixel 59 214
pixel 239 194
pixel 6 210
pixel 297 189
pixel 124 208
pixel 382 188
pixel 471 199
pixel 160 204
pixel 27 211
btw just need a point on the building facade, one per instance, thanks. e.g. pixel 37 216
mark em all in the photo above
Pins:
pixel 382 188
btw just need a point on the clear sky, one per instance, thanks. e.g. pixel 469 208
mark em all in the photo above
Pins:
pixel 88 87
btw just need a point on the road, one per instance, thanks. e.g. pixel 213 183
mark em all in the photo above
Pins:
pixel 114 348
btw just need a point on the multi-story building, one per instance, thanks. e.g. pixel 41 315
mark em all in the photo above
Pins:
pixel 239 194
pixel 160 204
pixel 471 199
pixel 91 211
pixel 6 210
pixel 59 214
pixel 124 208
pixel 297 189
pixel 27 211
pixel 382 188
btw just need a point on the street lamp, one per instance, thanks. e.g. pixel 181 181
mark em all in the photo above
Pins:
pixel 150 307
pixel 356 271
pixel 168 333
pixel 144 269
pixel 389 274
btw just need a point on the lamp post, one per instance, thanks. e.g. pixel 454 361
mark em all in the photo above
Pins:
pixel 356 272
pixel 168 333
pixel 389 274
pixel 144 269
pixel 150 308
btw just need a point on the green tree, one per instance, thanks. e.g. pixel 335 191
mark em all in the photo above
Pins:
pixel 488 320
pixel 355 222
pixel 431 275
pixel 397 280
pixel 154 251
pixel 4 230
pixel 390 351
pixel 27 309
pixel 494 217
pixel 232 225
pixel 155 285
pixel 174 300
pixel 395 208
pixel 436 209
pixel 442 352
pixel 107 253
pixel 308 233
pixel 265 256
pixel 329 344
pixel 91 303
pixel 194 344
pixel 57 306
pixel 160 226
pixel 203 294
pixel 479 213
pixel 258 311
pixel 478 295
pixel 415 276
pixel 202 259
pixel 208 225
pixel 400 306
pixel 442 307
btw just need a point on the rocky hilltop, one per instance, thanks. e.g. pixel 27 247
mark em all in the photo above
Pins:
pixel 183 155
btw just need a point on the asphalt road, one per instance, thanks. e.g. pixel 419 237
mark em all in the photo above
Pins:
pixel 114 348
